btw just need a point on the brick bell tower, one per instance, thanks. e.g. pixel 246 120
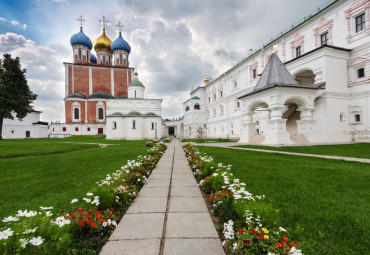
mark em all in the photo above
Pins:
pixel 90 80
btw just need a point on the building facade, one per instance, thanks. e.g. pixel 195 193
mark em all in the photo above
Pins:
pixel 97 85
pixel 328 56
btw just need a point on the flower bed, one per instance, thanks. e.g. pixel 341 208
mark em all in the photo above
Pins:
pixel 85 227
pixel 247 222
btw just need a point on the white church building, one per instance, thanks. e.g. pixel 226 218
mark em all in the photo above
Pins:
pixel 309 85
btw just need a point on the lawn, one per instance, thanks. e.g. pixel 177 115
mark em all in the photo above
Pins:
pixel 50 172
pixel 325 204
pixel 356 150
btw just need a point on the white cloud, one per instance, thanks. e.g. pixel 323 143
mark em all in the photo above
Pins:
pixel 15 22
pixel 2 19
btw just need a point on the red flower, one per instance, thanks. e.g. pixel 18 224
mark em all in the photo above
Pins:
pixel 293 244
pixel 212 191
pixel 240 231
pixel 260 237
pixel 253 232
pixel 246 242
pixel 278 244
pixel 285 239
pixel 288 248
pixel 92 224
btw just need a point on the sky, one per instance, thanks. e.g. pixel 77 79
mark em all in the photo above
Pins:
pixel 173 42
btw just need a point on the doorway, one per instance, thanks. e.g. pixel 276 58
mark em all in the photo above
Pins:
pixel 171 131
pixel 28 134
pixel 100 131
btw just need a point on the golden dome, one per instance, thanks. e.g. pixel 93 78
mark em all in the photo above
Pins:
pixel 102 43
pixel 206 80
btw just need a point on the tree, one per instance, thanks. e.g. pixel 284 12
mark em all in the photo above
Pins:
pixel 15 94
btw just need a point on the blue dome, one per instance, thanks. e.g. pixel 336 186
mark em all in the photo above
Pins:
pixel 121 44
pixel 81 38
pixel 93 59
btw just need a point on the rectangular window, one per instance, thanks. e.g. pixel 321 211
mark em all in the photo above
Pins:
pixel 324 39
pixel 209 99
pixel 133 124
pixel 360 23
pixel 64 129
pixel 254 73
pixel 341 117
pixel 220 93
pixel 235 84
pixel 214 96
pixel 238 104
pixel 88 129
pixel 79 54
pixel 298 51
pixel 357 117
pixel 360 72
pixel 76 129
pixel 152 125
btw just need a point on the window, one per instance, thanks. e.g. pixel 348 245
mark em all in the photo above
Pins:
pixel 254 73
pixel 76 113
pixel 360 72
pixel 152 125
pixel 360 23
pixel 64 129
pixel 324 39
pixel 187 108
pixel 134 124
pixel 357 117
pixel 88 129
pixel 197 106
pixel 220 93
pixel 298 51
pixel 101 114
pixel 76 129
pixel 135 93
pixel 235 84
pixel 13 131
pixel 209 99
pixel 120 58
pixel 341 117
pixel 79 54
pixel 103 60
pixel 114 125
pixel 238 104
pixel 214 96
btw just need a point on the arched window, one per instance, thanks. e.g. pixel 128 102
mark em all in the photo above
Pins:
pixel 101 113
pixel 114 125
pixel 135 93
pixel 197 106
pixel 187 108
pixel 134 124
pixel 76 113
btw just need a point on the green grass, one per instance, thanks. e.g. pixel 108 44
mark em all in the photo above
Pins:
pixel 325 204
pixel 207 140
pixel 50 172
pixel 356 150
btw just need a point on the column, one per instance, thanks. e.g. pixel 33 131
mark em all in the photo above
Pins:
pixel 276 133
pixel 248 127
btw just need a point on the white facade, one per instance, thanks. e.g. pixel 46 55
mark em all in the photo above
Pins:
pixel 30 126
pixel 134 118
pixel 195 115
pixel 329 50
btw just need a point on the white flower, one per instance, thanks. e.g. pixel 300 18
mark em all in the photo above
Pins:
pixel 282 229
pixel 61 221
pixel 30 230
pixel 36 241
pixel 75 200
pixel 21 214
pixel 48 214
pixel 46 208
pixel 31 214
pixel 90 194
pixel 294 251
pixel 24 242
pixel 87 200
pixel 10 218
pixel 6 233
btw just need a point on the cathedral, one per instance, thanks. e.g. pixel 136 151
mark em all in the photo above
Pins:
pixel 310 84
pixel 103 94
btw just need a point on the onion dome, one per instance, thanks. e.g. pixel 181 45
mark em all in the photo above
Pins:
pixel 81 38
pixel 136 81
pixel 93 59
pixel 121 44
pixel 102 43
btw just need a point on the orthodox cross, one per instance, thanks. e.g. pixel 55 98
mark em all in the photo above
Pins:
pixel 81 20
pixel 103 22
pixel 120 26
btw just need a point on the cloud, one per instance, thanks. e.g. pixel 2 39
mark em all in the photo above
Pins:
pixel 2 19
pixel 45 71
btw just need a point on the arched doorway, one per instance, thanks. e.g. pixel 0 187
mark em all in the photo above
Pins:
pixel 292 115
pixel 305 78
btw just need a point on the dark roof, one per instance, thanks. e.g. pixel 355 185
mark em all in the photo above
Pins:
pixel 123 96
pixel 101 95
pixel 41 123
pixel 277 75
pixel 76 95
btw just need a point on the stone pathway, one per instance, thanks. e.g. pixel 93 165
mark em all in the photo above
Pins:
pixel 169 216
pixel 230 146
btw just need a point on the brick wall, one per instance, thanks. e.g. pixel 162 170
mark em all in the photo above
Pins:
pixel 81 79
pixel 92 118
pixel 101 80
pixel 120 82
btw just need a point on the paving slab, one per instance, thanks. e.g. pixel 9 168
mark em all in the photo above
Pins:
pixel 183 191
pixel 148 205
pixel 184 183
pixel 187 204
pixel 193 247
pixel 190 225
pixel 138 247
pixel 152 183
pixel 154 192
pixel 139 226
pixel 159 176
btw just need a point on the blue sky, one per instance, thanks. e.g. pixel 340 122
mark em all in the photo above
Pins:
pixel 173 42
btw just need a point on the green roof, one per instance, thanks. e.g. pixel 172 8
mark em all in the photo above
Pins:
pixel 136 83
pixel 117 114
pixel 196 97
pixel 134 114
